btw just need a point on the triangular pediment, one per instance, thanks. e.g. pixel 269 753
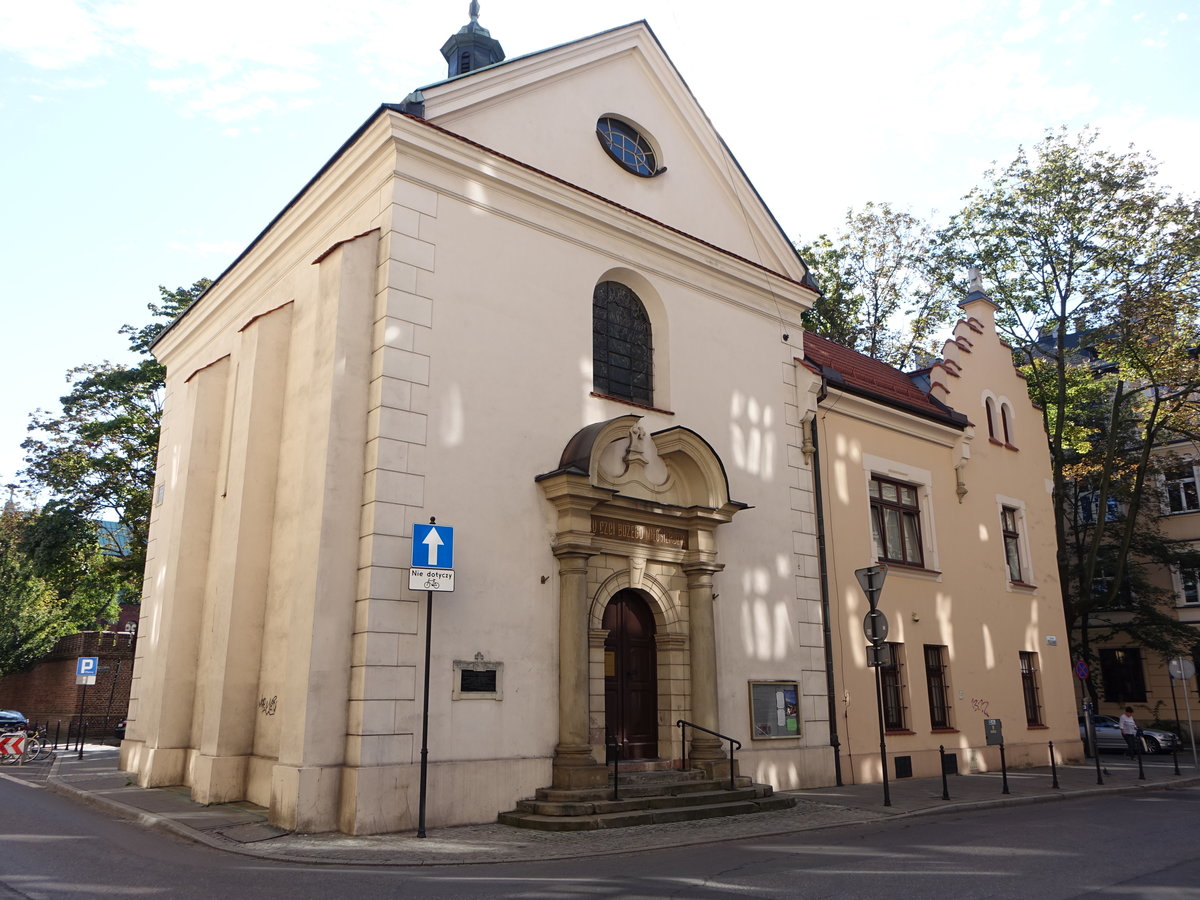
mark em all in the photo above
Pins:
pixel 542 110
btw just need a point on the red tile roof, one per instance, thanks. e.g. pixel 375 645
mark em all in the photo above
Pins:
pixel 857 373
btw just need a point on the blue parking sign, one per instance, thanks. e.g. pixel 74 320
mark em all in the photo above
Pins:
pixel 433 547
pixel 87 665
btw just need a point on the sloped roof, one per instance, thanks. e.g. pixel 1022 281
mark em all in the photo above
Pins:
pixel 858 374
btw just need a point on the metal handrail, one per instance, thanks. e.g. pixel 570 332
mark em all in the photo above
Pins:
pixel 611 742
pixel 683 725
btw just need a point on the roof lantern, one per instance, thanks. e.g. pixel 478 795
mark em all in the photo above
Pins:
pixel 471 47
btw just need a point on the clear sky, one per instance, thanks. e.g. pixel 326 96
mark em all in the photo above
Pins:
pixel 146 142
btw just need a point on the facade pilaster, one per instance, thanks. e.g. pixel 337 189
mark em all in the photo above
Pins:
pixel 574 764
pixel 702 635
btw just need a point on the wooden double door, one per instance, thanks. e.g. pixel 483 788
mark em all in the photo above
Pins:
pixel 631 676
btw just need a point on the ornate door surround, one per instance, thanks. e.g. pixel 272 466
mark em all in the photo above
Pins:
pixel 636 510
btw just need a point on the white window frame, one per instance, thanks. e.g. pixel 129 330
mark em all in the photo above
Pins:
pixel 1166 490
pixel 1018 506
pixel 922 480
pixel 1001 421
pixel 1179 584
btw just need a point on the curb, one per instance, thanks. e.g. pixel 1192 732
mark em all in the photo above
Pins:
pixel 514 855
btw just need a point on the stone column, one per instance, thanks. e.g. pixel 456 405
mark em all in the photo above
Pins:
pixel 574 765
pixel 703 639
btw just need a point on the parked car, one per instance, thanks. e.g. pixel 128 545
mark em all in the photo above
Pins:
pixel 1108 736
pixel 11 720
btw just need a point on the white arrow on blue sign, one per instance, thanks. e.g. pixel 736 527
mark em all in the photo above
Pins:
pixel 433 547
pixel 87 665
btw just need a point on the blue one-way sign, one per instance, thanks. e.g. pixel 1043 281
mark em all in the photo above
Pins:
pixel 433 547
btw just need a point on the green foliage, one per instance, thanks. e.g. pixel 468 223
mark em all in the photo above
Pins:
pixel 95 460
pixel 1095 269
pixel 31 618
pixel 880 296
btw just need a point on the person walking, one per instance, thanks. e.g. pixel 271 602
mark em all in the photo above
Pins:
pixel 1129 731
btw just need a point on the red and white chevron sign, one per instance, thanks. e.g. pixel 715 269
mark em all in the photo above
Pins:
pixel 12 745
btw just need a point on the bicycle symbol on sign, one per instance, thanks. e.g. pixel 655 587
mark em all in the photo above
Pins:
pixel 433 585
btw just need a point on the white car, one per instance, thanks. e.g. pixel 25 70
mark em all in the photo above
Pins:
pixel 1109 737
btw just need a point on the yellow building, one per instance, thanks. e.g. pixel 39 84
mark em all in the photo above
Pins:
pixel 960 514
pixel 1128 674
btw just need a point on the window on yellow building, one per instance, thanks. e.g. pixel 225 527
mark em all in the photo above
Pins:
pixel 890 677
pixel 1121 674
pixel 1182 495
pixel 1189 583
pixel 1010 528
pixel 937 678
pixel 1006 422
pixel 1029 688
pixel 896 521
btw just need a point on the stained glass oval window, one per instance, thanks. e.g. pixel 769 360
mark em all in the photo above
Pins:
pixel 627 146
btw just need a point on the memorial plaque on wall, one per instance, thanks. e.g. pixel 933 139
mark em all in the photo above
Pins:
pixel 473 682
pixel 478 679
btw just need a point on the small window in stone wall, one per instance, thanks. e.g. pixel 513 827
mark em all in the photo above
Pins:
pixel 478 679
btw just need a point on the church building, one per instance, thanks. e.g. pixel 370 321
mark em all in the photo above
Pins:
pixel 540 303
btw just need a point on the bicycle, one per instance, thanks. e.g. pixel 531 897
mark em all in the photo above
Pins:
pixel 37 747
pixel 34 748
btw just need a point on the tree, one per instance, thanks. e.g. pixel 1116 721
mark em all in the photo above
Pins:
pixel 1096 270
pixel 30 616
pixel 95 459
pixel 880 296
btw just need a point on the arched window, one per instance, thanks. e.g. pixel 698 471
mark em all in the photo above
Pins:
pixel 1006 422
pixel 621 349
pixel 989 408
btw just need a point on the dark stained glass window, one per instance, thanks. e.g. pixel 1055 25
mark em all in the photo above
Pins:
pixel 621 349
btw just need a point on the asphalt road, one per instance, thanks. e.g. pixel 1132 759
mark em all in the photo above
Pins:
pixel 1126 846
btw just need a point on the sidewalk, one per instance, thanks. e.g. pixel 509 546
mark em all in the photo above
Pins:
pixel 243 827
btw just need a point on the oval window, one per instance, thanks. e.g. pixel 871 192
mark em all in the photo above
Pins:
pixel 627 146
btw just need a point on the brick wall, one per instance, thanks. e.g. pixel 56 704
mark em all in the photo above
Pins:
pixel 47 694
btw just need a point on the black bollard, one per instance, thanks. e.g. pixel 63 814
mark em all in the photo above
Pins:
pixel 1003 770
pixel 1141 770
pixel 82 738
pixel 57 729
pixel 945 784
pixel 1175 758
pixel 1053 766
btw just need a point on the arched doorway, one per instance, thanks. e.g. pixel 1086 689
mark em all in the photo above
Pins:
pixel 630 676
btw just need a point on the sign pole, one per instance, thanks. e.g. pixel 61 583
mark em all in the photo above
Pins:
pixel 425 708
pixel 1187 703
pixel 1183 670
pixel 425 713
pixel 82 708
pixel 875 627
pixel 887 794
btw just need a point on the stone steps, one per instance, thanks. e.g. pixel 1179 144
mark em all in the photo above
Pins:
pixel 645 798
